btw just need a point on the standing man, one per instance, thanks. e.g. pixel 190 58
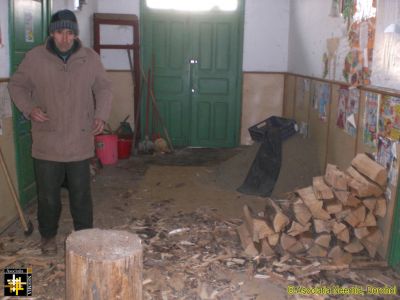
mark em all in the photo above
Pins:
pixel 62 88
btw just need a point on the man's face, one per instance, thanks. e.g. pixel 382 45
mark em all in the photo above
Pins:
pixel 64 39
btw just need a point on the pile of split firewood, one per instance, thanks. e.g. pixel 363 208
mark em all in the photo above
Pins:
pixel 334 218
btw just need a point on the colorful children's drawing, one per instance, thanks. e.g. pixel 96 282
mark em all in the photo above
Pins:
pixel 323 100
pixel 384 155
pixel 389 118
pixel 370 130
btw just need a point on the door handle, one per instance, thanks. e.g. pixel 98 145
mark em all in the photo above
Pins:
pixel 194 61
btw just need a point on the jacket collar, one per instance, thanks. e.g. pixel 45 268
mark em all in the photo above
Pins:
pixel 77 52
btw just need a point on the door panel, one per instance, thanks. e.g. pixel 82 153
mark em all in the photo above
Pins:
pixel 166 50
pixel 215 42
pixel 197 58
pixel 28 29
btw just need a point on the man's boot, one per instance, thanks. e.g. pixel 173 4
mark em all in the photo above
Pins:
pixel 48 246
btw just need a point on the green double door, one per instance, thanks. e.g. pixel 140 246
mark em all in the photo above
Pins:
pixel 196 59
pixel 28 28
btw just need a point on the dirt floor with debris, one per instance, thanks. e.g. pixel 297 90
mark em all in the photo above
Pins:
pixel 185 208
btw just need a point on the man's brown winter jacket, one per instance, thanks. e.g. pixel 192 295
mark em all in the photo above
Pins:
pixel 72 94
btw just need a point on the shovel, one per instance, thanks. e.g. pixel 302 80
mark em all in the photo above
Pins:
pixel 27 226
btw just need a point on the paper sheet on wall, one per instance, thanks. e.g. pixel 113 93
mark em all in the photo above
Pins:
pixel 389 118
pixel 323 95
pixel 5 101
pixel 352 111
pixel 341 114
pixel 370 130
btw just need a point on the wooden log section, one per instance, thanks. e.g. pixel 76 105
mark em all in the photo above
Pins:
pixel 370 169
pixel 362 186
pixel 103 264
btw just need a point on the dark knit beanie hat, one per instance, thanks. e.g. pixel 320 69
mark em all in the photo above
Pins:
pixel 64 19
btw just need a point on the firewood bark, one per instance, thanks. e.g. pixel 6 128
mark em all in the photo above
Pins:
pixel 273 239
pixel 362 186
pixel 335 178
pixel 103 264
pixel 370 169
pixel 321 190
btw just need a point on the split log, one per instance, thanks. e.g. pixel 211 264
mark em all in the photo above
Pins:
pixel 341 232
pixel 103 264
pixel 287 241
pixel 380 208
pixel 317 251
pixel 370 203
pixel 297 228
pixel 313 204
pixel 257 227
pixel 370 169
pixel 297 248
pixel 340 216
pixel 266 249
pixel 301 212
pixel 322 226
pixel 356 216
pixel 362 186
pixel 369 221
pixel 247 241
pixel 339 257
pixel 372 241
pixel 333 206
pixel 321 190
pixel 273 239
pixel 280 220
pixel 361 232
pixel 335 178
pixel 323 240
pixel 347 198
pixel 354 247
pixel 306 239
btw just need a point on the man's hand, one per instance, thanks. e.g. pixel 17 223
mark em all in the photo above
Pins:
pixel 38 115
pixel 98 126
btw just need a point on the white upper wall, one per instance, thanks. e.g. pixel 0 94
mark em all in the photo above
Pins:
pixel 5 47
pixel 266 29
pixel 310 27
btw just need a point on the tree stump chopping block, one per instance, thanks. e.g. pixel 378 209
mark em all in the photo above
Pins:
pixel 103 265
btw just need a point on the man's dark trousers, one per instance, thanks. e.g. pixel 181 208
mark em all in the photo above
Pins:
pixel 50 176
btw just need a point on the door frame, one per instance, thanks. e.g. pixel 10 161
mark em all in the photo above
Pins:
pixel 47 5
pixel 239 80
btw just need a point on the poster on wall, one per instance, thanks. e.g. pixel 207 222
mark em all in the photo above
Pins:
pixel 389 117
pixel 341 114
pixel 370 130
pixel 322 93
pixel 352 106
pixel 28 26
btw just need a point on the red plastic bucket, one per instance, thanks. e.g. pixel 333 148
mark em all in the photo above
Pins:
pixel 106 148
pixel 124 148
